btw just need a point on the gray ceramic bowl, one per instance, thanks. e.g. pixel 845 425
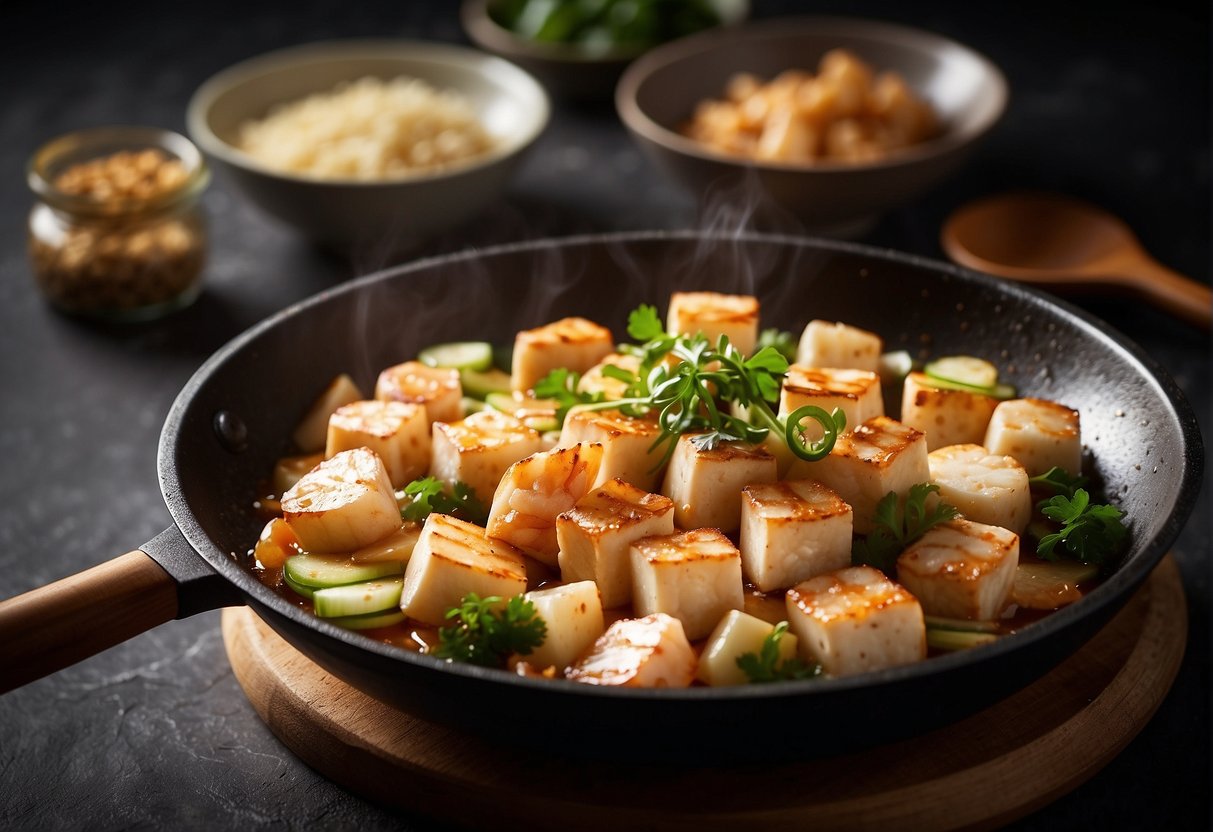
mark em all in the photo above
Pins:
pixel 568 71
pixel 347 213
pixel 659 92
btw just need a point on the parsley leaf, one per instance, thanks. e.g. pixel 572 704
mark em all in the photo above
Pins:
pixel 644 324
pixel 1059 481
pixel 782 342
pixel 486 632
pixel 560 385
pixel 1090 532
pixel 898 525
pixel 429 496
pixel 764 666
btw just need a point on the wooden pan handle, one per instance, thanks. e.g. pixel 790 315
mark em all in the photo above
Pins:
pixel 51 627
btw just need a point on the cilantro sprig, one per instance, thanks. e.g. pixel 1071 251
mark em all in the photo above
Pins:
pixel 780 340
pixel 1088 532
pixel 486 632
pixel 1059 481
pixel 764 666
pixel 560 385
pixel 898 525
pixel 429 496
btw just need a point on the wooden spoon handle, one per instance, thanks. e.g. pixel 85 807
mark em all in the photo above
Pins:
pixel 51 627
pixel 1182 296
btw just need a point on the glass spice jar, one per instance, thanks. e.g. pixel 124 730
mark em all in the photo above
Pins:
pixel 117 232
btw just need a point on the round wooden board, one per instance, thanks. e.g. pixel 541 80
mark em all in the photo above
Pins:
pixel 981 772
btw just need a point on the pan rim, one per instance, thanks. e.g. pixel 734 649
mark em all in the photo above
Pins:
pixel 1108 593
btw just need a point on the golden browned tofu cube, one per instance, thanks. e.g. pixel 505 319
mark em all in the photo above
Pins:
pixel 313 427
pixel 573 615
pixel 1040 434
pixel 398 432
pixel 714 314
pixel 947 417
pixel 479 450
pixel 961 569
pixel 986 487
pixel 574 343
pixel 855 392
pixel 737 634
pixel 837 345
pixel 627 444
pixel 342 504
pixel 438 388
pixel 705 485
pixel 694 576
pixel 792 531
pixel 649 652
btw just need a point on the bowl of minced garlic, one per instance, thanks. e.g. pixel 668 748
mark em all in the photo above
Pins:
pixel 116 231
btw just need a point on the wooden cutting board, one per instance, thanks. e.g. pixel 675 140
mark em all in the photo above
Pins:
pixel 981 772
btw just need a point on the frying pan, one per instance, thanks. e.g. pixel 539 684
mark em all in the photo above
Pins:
pixel 228 426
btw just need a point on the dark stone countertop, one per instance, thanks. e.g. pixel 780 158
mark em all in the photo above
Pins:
pixel 1109 102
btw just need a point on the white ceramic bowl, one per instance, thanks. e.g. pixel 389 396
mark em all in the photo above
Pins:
pixel 349 213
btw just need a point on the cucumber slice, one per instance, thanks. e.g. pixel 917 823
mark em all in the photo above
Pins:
pixel 1002 392
pixel 963 369
pixel 459 355
pixel 955 640
pixel 296 587
pixel 537 414
pixel 480 384
pixel 893 367
pixel 960 625
pixel 358 599
pixel 370 621
pixel 319 572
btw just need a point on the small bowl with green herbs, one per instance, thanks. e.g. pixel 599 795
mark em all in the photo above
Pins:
pixel 579 48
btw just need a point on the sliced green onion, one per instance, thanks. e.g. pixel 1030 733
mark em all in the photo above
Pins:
pixel 952 640
pixel 831 424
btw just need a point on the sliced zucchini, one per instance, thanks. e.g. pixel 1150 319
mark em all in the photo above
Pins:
pixel 893 367
pixel 1050 585
pixel 1002 392
pixel 963 369
pixel 960 625
pixel 296 587
pixel 358 599
pixel 537 414
pixel 318 572
pixel 370 621
pixel 459 355
pixel 480 384
pixel 956 640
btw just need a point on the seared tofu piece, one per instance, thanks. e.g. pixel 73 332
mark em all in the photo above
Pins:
pixel 313 428
pixel 947 417
pixel 988 488
pixel 825 344
pixel 694 576
pixel 961 569
pixel 479 449
pixel 595 535
pixel 593 380
pixel 342 504
pixel 573 615
pixel 412 382
pixel 397 546
pixel 735 635
pixel 792 531
pixel 535 491
pixel 879 456
pixel 1039 433
pixel 574 343
pixel 398 432
pixel 649 652
pixel 289 469
pixel 706 485
pixel 715 314
pixel 856 620
pixel 855 392
pixel 451 559
pixel 627 444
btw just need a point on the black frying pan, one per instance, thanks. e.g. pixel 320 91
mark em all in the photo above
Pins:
pixel 229 423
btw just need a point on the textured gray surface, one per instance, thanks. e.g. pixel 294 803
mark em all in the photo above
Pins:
pixel 1112 106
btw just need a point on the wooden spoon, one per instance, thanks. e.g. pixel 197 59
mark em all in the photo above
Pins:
pixel 1068 244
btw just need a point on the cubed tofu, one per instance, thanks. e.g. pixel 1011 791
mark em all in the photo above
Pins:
pixel 574 343
pixel 792 531
pixel 535 491
pixel 627 444
pixel 855 392
pixel 479 450
pixel 595 535
pixel 694 576
pixel 649 652
pixel 313 427
pixel 412 382
pixel 705 485
pixel 947 417
pixel 988 488
pixel 398 432
pixel 451 559
pixel 856 620
pixel 839 346
pixel 714 314
pixel 879 456
pixel 593 380
pixel 573 615
pixel 1040 434
pixel 961 569
pixel 342 504
pixel 289 469
pixel 735 635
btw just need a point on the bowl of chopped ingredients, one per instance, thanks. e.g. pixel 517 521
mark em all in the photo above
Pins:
pixel 578 49
pixel 369 143
pixel 835 120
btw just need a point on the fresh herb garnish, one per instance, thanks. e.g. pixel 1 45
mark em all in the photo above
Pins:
pixel 487 633
pixel 898 526
pixel 1059 481
pixel 429 496
pixel 764 666
pixel 780 340
pixel 1090 532
pixel 560 385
